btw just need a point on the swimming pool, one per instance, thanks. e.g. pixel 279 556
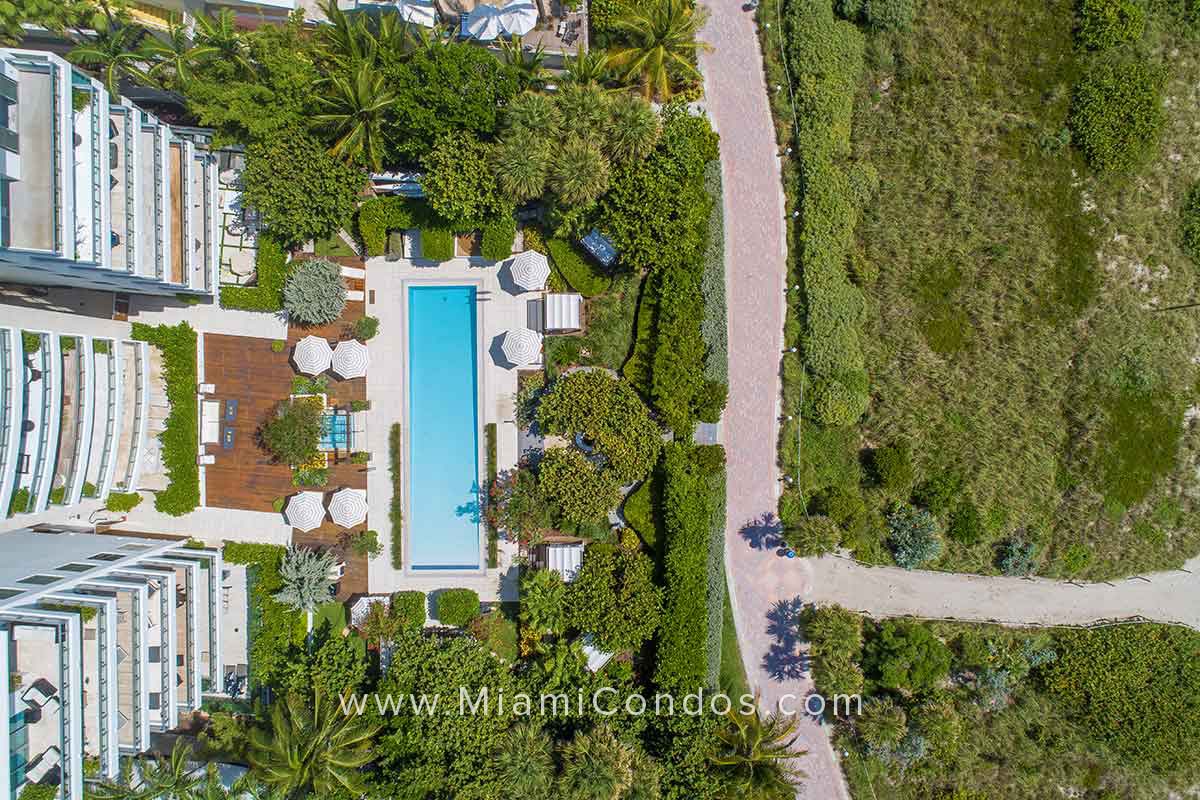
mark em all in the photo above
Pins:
pixel 335 433
pixel 443 443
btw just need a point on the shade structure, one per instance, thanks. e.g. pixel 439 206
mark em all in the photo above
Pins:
pixel 348 507
pixel 529 270
pixel 563 312
pixel 305 511
pixel 351 359
pixel 518 17
pixel 482 23
pixel 522 346
pixel 312 355
pixel 418 12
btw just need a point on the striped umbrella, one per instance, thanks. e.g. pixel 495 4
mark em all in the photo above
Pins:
pixel 529 270
pixel 348 507
pixel 482 23
pixel 522 346
pixel 519 17
pixel 305 511
pixel 351 359
pixel 312 355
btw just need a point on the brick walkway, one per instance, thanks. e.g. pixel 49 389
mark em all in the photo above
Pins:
pixel 755 264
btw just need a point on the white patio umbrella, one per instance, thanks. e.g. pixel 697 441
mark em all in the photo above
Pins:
pixel 348 507
pixel 312 355
pixel 418 12
pixel 518 17
pixel 305 511
pixel 351 359
pixel 482 22
pixel 522 346
pixel 529 270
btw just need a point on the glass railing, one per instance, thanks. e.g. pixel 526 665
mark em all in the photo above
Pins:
pixel 67 764
pixel 110 422
pixel 99 159
pixel 139 367
pixel 136 625
pixel 131 231
pixel 105 693
pixel 43 433
pixel 8 409
pixel 83 374
pixel 56 192
pixel 159 197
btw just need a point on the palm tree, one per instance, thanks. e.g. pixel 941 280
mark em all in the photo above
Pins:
pixel 173 57
pixel 529 65
pixel 381 625
pixel 312 750
pixel 524 762
pixel 662 36
pixel 345 39
pixel 633 128
pixel 579 174
pixel 521 163
pixel 588 69
pixel 174 778
pixel 307 579
pixel 755 755
pixel 218 39
pixel 596 766
pixel 115 52
pixel 584 111
pixel 355 111
pixel 533 113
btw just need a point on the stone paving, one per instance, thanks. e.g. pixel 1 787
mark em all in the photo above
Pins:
pixel 755 265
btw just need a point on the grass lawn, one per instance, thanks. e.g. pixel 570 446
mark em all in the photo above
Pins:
pixel 333 247
pixel 1009 335
pixel 733 674
pixel 335 614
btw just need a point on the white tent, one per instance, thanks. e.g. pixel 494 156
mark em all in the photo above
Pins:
pixel 596 658
pixel 305 511
pixel 418 12
pixel 482 23
pixel 312 355
pixel 348 507
pixel 351 359
pixel 563 312
pixel 529 270
pixel 518 17
pixel 564 558
pixel 522 346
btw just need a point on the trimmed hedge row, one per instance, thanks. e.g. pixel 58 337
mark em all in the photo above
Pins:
pixel 712 461
pixel 683 662
pixel 273 628
pixel 457 607
pixel 380 215
pixel 677 367
pixel 396 506
pixel 827 58
pixel 712 285
pixel 498 237
pixel 271 270
pixel 575 268
pixel 177 344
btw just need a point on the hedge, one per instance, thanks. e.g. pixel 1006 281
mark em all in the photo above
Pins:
pixel 380 215
pixel 575 268
pixel 498 237
pixel 1117 113
pixel 457 607
pixel 409 608
pixel 396 507
pixel 271 269
pixel 1108 23
pixel 273 629
pixel 714 469
pixel 122 502
pixel 177 344
pixel 489 432
pixel 677 366
pixel 714 328
pixel 683 663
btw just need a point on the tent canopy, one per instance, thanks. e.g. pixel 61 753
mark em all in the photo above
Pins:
pixel 563 312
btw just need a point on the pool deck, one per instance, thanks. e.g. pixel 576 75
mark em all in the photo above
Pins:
pixel 499 311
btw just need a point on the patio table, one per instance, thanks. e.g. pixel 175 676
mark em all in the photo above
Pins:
pixel 227 438
pixel 231 407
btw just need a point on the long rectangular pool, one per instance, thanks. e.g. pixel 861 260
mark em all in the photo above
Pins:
pixel 443 422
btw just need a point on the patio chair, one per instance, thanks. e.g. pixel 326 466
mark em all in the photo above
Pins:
pixel 205 459
pixel 354 272
pixel 356 295
pixel 37 694
pixel 207 388
pixel 210 426
pixel 50 758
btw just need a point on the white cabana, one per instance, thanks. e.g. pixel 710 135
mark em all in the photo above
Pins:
pixel 596 658
pixel 522 346
pixel 312 355
pixel 351 359
pixel 305 511
pixel 529 270
pixel 518 17
pixel 563 312
pixel 482 23
pixel 348 507
pixel 418 12
pixel 564 558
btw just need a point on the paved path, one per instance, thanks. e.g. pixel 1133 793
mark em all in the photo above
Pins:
pixel 889 591
pixel 755 263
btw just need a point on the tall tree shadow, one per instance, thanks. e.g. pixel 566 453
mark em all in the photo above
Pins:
pixel 764 532
pixel 783 661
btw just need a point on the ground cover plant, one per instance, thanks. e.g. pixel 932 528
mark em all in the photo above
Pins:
pixel 177 346
pixel 1007 185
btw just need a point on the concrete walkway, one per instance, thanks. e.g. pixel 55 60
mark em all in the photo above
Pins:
pixel 755 265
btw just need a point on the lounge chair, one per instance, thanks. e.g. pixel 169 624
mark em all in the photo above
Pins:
pixel 48 760
pixel 355 296
pixel 205 459
pixel 210 422
pixel 354 272
pixel 206 388
pixel 36 694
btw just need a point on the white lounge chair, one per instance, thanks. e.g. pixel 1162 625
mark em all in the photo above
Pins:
pixel 355 295
pixel 354 272
pixel 48 760
pixel 205 459
pixel 207 388
pixel 35 695
pixel 210 422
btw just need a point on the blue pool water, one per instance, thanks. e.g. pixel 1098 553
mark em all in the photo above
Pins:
pixel 443 446
pixel 334 432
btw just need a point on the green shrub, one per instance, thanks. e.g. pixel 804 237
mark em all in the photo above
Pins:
pixel 182 429
pixel 813 536
pixel 294 432
pixel 100 346
pixel 314 293
pixel 893 469
pixel 277 504
pixel 396 505
pixel 835 637
pixel 1108 23
pixel 310 477
pixel 437 243
pixel 366 544
pixel 408 608
pixel 939 493
pixel 641 511
pixel 576 268
pixel 907 656
pixel 275 631
pixel 360 405
pixel 457 607
pixel 1116 113
pixel 122 502
pixel 1107 679
pixel 38 791
pixel 458 182
pixel 66 344
pixel 493 551
pixel 1191 223
pixel 31 342
pixel 614 597
pixel 379 216
pixel 582 492
pixel 677 381
pixel 360 457
pixel 278 346
pixel 966 524
pixel 844 505
pixel 1076 558
pixel 499 234
pixel 609 414
pixel 714 327
pixel 889 15
pixel 366 327
pixel 913 536
pixel 270 268
pixel 1017 557
pixel 19 502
